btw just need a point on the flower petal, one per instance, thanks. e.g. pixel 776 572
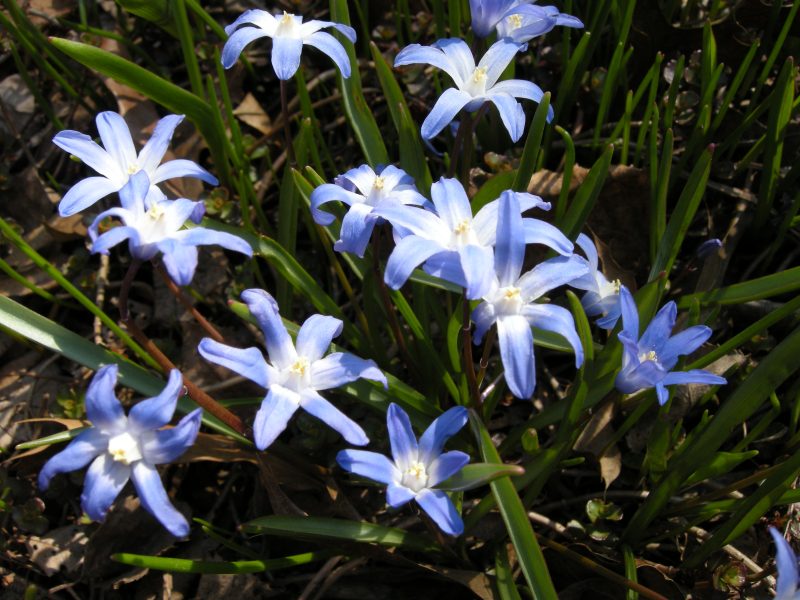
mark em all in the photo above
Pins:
pixel 446 465
pixel 641 377
pixel 237 41
pixel 397 495
pixel 685 342
pixel 91 154
pixel 496 59
pixel 693 376
pixel 273 416
pixel 549 275
pixel 460 56
pixel 484 317
pixel 167 445
pixel 441 510
pixel 630 314
pixel 265 310
pixel 523 89
pixel 407 255
pixel 247 362
pixel 414 54
pixel 477 262
pixel 84 194
pixel 200 236
pixel 155 148
pixel 417 221
pixel 315 336
pixel 104 480
pixel 114 236
pixel 786 562
pixel 370 465
pixel 254 16
pixel 314 25
pixel 328 44
pixel 326 412
pixel 78 453
pixel 444 111
pixel 116 137
pixel 516 351
pixel 286 56
pixel 157 411
pixel 181 167
pixel 442 429
pixel 339 368
pixel 451 202
pixel 511 114
pixel 356 230
pixel 179 259
pixel 541 232
pixel 558 320
pixel 154 499
pixel 102 407
pixel 587 245
pixel 447 266
pixel 328 192
pixel 401 437
pixel 510 248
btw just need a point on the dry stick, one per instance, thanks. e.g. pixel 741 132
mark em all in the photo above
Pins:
pixel 599 569
pixel 195 393
pixel 488 344
pixel 287 129
pixel 187 304
pixel 469 364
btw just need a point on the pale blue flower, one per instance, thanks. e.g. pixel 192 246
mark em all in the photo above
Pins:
pixel 510 302
pixel 786 587
pixel 289 34
pixel 648 361
pixel 296 373
pixel 453 244
pixel 122 448
pixel 152 224
pixel 415 469
pixel 523 22
pixel 475 85
pixel 363 189
pixel 118 161
pixel 602 296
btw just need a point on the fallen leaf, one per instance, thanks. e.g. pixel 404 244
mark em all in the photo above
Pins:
pixel 594 440
pixel 61 548
pixel 251 113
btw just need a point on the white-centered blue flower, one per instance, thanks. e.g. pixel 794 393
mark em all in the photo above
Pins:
pixel 122 448
pixel 454 245
pixel 289 34
pixel 363 189
pixel 153 224
pixel 296 373
pixel 475 85
pixel 117 161
pixel 648 361
pixel 602 296
pixel 523 22
pixel 786 587
pixel 510 302
pixel 415 469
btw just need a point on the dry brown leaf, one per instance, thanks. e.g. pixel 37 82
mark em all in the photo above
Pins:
pixel 61 548
pixel 251 113
pixel 217 448
pixel 595 438
pixel 476 581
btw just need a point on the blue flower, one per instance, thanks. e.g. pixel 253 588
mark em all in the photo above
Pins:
pixel 602 295
pixel 122 448
pixel 118 161
pixel 487 13
pixel 363 190
pixel 648 361
pixel 415 468
pixel 474 84
pixel 524 22
pixel 152 224
pixel 288 34
pixel 453 244
pixel 511 300
pixel 295 373
pixel 786 562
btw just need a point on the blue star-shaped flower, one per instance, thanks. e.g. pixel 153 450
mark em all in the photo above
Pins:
pixel 415 469
pixel 648 361
pixel 122 448
pixel 296 373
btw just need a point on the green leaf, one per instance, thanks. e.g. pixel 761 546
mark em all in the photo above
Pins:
pixel 533 144
pixel 746 291
pixel 321 528
pixel 185 565
pixel 478 474
pixel 587 195
pixel 721 463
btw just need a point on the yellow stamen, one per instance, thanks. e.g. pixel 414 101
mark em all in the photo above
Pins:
pixel 156 212
pixel 286 18
pixel 300 366
pixel 462 227
pixel 479 74
pixel 378 185
pixel 511 293
pixel 514 21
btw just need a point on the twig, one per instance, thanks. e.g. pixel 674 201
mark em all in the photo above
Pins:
pixel 703 535
pixel 469 364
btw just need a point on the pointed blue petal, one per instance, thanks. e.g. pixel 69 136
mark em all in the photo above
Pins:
pixel 167 445
pixel 541 232
pixel 370 465
pixel 154 499
pixel 397 495
pixel 155 148
pixel 401 437
pixel 549 275
pixel 406 256
pixel 693 376
pixel 316 405
pixel 441 510
pixel 114 236
pixel 446 108
pixel 156 412
pixel 446 465
pixel 685 342
pixel 265 310
pixel 477 264
pixel 510 248
pixel 200 236
pixel 451 202
pixel 339 368
pixel 660 328
pixel 417 221
pixel 182 167
pixel 558 320
pixel 236 43
pixel 247 362
pixel 497 58
pixel 356 230
pixel 91 154
pixel 587 245
pixel 116 138
pixel 134 192
pixel 273 416
pixel 442 429
pixel 286 56
pixel 104 480
pixel 328 192
pixel 84 194
pixel 516 352
pixel 639 377
pixel 315 336
pixel 179 259
pixel 102 407
pixel 662 393
pixel 786 562
pixel 447 266
pixel 484 317
pixel 328 44
pixel 78 453
pixel 414 54
pixel 630 314
pixel 511 114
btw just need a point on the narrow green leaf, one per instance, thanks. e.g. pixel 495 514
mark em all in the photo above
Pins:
pixel 586 196
pixel 504 575
pixel 185 565
pixel 478 474
pixel 746 291
pixel 533 144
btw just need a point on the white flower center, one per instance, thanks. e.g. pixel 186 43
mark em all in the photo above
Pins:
pixel 287 26
pixel 514 21
pixel 298 374
pixel 508 301
pixel 133 168
pixel 124 448
pixel 609 288
pixel 463 234
pixel 378 185
pixel 153 226
pixel 415 477
pixel 649 355
pixel 476 85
